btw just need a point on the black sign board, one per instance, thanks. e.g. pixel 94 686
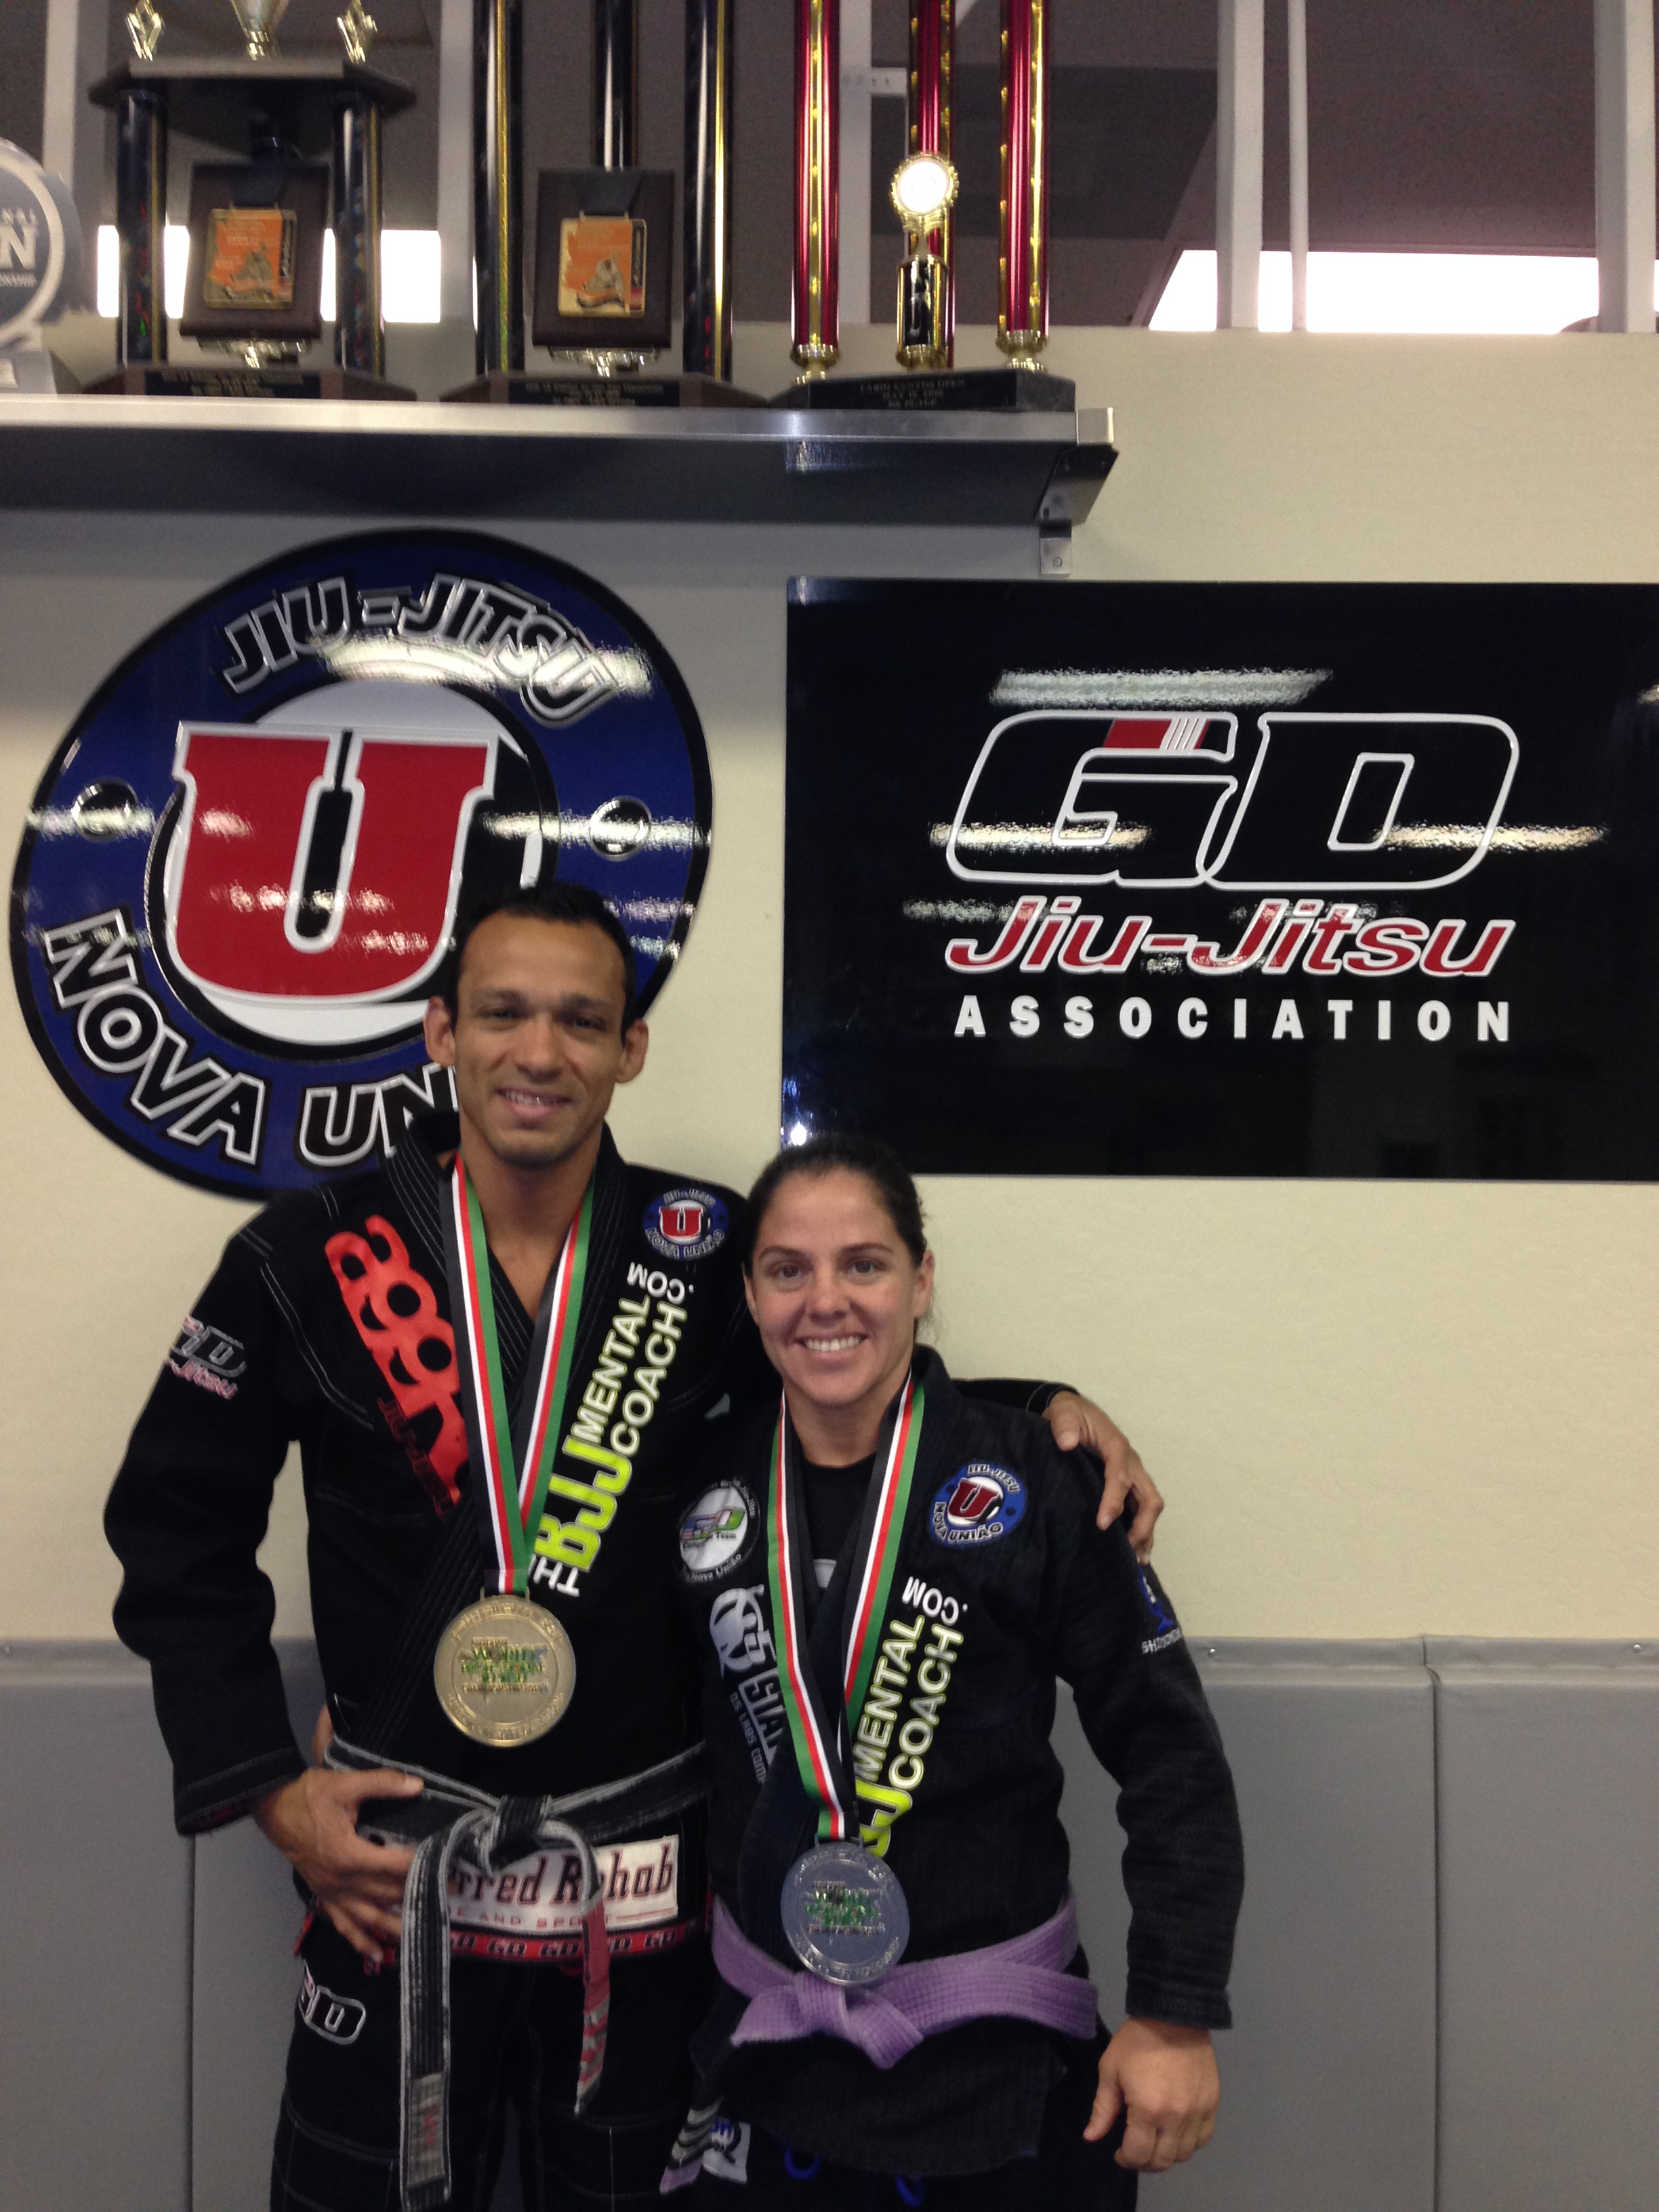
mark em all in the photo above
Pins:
pixel 1226 879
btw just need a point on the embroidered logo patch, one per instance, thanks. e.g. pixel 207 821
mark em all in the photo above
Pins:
pixel 205 1356
pixel 686 1224
pixel 336 2020
pixel 1165 1628
pixel 716 1531
pixel 738 1632
pixel 979 1505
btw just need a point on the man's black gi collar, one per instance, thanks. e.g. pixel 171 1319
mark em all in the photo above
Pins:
pixel 420 1181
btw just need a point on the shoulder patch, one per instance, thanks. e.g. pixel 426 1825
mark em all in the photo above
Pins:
pixel 686 1223
pixel 1163 1628
pixel 717 1531
pixel 979 1505
pixel 207 1357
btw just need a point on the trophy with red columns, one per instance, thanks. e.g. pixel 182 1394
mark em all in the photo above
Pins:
pixel 924 193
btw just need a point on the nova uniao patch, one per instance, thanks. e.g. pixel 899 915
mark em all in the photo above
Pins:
pixel 979 1505
pixel 686 1224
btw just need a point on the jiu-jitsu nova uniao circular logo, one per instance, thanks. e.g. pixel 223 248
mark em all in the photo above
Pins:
pixel 241 869
pixel 979 1505
pixel 686 1224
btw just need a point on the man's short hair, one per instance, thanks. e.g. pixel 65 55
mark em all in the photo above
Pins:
pixel 566 902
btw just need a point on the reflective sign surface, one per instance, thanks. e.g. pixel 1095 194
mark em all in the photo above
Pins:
pixel 1226 879
pixel 241 869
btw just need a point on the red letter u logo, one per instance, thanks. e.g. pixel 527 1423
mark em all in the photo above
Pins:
pixel 317 867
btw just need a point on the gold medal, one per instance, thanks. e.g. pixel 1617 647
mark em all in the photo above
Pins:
pixel 504 1671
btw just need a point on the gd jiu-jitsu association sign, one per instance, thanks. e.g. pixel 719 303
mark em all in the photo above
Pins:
pixel 241 869
pixel 1226 879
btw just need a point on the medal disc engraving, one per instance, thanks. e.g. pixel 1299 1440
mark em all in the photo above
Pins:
pixel 845 1915
pixel 504 1671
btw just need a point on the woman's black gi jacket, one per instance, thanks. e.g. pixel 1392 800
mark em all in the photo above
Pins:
pixel 1001 1585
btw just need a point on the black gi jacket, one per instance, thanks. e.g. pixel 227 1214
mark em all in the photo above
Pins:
pixel 999 1587
pixel 328 1321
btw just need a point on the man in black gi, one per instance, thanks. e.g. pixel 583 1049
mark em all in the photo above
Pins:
pixel 372 1324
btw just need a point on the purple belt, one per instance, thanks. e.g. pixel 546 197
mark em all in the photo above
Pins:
pixel 1022 1979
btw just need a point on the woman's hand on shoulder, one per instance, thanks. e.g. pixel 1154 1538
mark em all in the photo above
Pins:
pixel 1077 1422
pixel 1165 2078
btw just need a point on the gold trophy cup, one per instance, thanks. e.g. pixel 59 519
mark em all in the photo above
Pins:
pixel 924 192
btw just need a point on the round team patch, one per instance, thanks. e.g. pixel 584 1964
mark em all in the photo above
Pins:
pixel 716 1531
pixel 978 1504
pixel 686 1224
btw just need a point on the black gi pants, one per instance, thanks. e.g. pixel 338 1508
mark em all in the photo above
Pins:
pixel 1066 2174
pixel 515 2032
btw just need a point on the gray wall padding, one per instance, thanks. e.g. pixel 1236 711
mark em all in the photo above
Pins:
pixel 1327 2080
pixel 248 1916
pixel 152 1968
pixel 94 1941
pixel 1549 1928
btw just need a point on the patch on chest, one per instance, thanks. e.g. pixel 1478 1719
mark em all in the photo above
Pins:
pixel 717 1531
pixel 686 1224
pixel 979 1505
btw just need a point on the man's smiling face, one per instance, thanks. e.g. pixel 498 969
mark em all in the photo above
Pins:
pixel 537 1040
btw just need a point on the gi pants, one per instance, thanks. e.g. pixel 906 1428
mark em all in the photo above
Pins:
pixel 760 2174
pixel 515 2032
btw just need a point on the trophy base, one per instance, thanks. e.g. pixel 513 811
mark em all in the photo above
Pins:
pixel 535 387
pixel 162 379
pixel 986 390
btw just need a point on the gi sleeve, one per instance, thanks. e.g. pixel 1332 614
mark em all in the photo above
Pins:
pixel 1118 1642
pixel 186 1518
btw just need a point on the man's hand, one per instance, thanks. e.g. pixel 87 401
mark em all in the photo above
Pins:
pixel 1078 1421
pixel 359 1885
pixel 1166 2076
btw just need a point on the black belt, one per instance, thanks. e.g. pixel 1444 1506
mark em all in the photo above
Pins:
pixel 449 1820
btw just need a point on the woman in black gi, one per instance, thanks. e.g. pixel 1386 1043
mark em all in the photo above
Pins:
pixel 885 1580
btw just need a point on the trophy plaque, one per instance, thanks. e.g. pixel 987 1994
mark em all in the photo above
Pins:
pixel 603 302
pixel 255 276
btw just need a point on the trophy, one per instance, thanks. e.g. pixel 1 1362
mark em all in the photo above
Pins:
pixel 310 129
pixel 923 193
pixel 602 302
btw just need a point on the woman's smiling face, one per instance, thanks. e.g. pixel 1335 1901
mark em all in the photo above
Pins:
pixel 835 1293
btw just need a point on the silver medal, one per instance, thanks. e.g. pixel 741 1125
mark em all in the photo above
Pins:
pixel 845 1915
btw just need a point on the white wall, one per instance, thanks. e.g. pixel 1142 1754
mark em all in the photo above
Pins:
pixel 1377 1408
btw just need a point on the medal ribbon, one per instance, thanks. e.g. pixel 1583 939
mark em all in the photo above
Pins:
pixel 820 1727
pixel 512 1458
